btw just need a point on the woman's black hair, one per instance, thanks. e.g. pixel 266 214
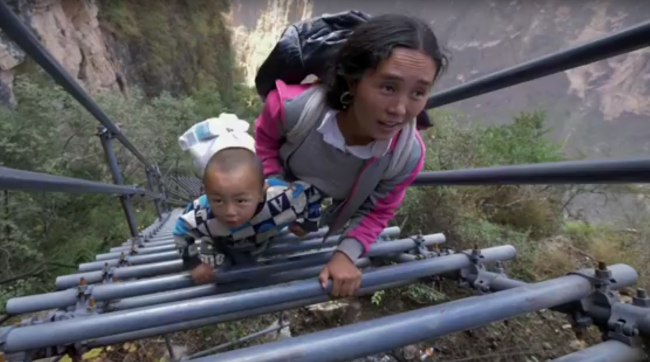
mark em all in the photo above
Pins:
pixel 374 41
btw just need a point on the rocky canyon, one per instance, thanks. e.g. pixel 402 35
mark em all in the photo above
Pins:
pixel 598 110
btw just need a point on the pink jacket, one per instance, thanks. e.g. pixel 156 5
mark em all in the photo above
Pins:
pixel 388 194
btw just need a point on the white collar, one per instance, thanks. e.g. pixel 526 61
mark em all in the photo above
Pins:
pixel 332 135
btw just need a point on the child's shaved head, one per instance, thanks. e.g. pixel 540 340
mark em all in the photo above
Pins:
pixel 234 184
pixel 231 159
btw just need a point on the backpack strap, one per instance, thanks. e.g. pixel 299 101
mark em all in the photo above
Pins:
pixel 302 113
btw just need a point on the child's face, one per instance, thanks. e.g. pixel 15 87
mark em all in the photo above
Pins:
pixel 234 196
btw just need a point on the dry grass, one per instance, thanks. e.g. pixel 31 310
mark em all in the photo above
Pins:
pixel 612 245
pixel 553 259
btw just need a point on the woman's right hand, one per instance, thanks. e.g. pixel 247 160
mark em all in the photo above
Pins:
pixel 346 277
pixel 202 274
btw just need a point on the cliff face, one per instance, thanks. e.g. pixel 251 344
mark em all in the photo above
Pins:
pixel 173 45
pixel 170 45
pixel 69 29
pixel 257 26
pixel 600 109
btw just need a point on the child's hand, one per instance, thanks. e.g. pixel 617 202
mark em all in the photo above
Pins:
pixel 346 277
pixel 202 274
pixel 297 230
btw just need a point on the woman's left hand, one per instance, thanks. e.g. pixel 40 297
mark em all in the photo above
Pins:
pixel 346 277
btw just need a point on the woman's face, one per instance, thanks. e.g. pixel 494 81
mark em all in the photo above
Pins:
pixel 393 94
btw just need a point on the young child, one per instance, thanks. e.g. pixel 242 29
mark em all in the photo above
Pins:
pixel 240 212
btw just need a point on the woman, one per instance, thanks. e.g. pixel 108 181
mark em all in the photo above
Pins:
pixel 355 137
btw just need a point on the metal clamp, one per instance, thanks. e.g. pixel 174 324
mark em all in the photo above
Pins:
pixel 484 278
pixel 133 250
pixel 437 252
pixel 104 132
pixel 580 321
pixel 476 264
pixel 55 316
pixel 142 239
pixel 602 278
pixel 420 248
pixel 623 323
pixel 85 301
pixel 476 271
pixel 475 256
pixel 421 251
pixel 641 298
pixel 108 274
pixel 138 241
pixel 74 350
pixel 108 271
pixel 123 260
pixel 602 298
pixel 499 269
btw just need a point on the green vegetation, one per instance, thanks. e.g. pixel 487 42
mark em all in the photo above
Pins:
pixel 486 215
pixel 534 210
pixel 184 49
pixel 180 46
pixel 50 132
pixel 179 55
pixel 69 229
pixel 529 217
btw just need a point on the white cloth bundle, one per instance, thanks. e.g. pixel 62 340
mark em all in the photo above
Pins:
pixel 208 137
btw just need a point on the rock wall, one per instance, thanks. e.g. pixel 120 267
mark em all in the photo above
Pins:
pixel 70 30
pixel 600 110
pixel 257 26
pixel 109 45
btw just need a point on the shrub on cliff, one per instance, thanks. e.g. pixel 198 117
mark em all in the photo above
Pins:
pixel 51 132
pixel 531 209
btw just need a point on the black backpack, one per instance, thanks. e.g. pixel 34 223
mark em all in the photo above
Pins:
pixel 306 48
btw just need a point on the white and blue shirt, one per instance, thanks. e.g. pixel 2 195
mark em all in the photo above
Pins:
pixel 197 228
